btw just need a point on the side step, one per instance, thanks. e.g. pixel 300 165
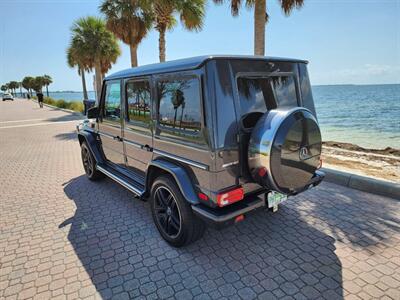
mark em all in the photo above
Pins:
pixel 132 185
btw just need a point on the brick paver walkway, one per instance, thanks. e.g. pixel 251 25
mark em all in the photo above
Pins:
pixel 62 236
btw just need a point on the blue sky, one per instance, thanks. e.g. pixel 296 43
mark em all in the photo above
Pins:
pixel 346 42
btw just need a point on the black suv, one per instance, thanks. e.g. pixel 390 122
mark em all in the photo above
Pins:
pixel 206 139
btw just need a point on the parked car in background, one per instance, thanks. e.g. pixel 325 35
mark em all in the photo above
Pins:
pixel 7 96
pixel 206 140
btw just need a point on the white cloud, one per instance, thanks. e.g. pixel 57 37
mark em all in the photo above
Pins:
pixel 366 74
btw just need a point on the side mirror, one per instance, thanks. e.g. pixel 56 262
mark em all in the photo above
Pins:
pixel 93 112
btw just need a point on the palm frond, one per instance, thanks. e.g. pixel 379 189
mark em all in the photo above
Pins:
pixel 288 5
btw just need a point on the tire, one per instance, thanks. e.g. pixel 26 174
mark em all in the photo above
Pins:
pixel 89 163
pixel 168 206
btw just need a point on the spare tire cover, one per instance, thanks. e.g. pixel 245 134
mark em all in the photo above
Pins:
pixel 285 149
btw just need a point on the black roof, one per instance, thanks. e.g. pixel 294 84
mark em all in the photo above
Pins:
pixel 188 64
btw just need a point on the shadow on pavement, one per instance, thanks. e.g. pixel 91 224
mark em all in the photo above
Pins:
pixel 67 136
pixel 266 256
pixel 361 219
pixel 67 117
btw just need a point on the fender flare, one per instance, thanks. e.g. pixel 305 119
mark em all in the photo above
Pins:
pixel 178 173
pixel 92 143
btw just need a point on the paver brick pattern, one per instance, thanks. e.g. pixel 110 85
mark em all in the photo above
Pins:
pixel 64 237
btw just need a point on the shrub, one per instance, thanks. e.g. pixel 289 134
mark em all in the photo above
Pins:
pixel 76 106
pixel 49 101
pixel 61 103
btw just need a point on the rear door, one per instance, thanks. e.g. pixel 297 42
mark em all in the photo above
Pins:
pixel 110 123
pixel 138 128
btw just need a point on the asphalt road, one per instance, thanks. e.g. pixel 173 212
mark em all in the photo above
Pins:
pixel 62 236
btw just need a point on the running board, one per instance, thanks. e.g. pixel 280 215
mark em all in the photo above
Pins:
pixel 134 189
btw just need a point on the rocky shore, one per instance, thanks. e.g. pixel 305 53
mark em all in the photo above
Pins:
pixel 377 163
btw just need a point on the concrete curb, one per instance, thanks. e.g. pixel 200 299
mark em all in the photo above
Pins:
pixel 62 109
pixel 366 184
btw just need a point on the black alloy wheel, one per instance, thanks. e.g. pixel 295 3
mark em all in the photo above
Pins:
pixel 167 212
pixel 172 213
pixel 89 163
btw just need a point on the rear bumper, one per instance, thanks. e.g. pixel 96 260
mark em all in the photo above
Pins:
pixel 222 217
pixel 315 180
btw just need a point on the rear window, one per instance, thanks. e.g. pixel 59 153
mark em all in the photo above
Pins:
pixel 259 94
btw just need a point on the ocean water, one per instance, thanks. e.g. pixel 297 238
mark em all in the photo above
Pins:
pixel 366 115
pixel 71 96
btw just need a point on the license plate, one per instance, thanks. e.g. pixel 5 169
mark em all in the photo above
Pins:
pixel 275 198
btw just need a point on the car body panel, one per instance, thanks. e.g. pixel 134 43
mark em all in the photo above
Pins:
pixel 7 96
pixel 214 164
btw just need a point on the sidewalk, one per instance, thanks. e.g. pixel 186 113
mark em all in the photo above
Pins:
pixel 63 236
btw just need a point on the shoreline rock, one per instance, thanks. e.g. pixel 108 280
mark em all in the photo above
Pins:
pixel 353 147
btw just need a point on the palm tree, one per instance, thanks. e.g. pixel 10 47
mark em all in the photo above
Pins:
pixel 183 107
pixel 38 84
pixel 47 81
pixel 4 88
pixel 13 85
pixel 73 61
pixel 129 20
pixel 20 88
pixel 27 83
pixel 177 100
pixel 191 14
pixel 261 17
pixel 94 46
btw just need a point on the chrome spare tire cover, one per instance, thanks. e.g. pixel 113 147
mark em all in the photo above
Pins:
pixel 285 149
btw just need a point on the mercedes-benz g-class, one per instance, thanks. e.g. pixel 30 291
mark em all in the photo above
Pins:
pixel 207 139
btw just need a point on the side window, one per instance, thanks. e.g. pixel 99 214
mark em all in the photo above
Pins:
pixel 112 103
pixel 139 98
pixel 180 107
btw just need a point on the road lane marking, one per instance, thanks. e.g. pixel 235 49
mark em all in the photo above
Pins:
pixel 39 124
pixel 20 121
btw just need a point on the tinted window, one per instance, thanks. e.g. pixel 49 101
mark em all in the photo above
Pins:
pixel 179 105
pixel 138 97
pixel 261 94
pixel 305 87
pixel 112 105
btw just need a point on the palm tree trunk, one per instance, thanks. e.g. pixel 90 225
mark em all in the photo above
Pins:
pixel 260 10
pixel 161 42
pixel 180 123
pixel 176 111
pixel 99 81
pixel 134 60
pixel 85 95
pixel 47 90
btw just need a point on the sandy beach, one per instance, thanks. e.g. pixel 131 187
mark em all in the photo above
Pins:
pixel 381 164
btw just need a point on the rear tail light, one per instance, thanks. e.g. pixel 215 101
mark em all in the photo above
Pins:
pixel 203 196
pixel 230 197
